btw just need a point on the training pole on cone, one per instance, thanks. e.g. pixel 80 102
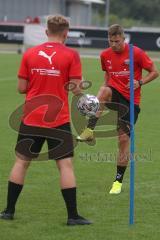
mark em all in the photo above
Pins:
pixel 132 162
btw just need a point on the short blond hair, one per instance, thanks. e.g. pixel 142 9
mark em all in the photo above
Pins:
pixel 57 24
pixel 115 29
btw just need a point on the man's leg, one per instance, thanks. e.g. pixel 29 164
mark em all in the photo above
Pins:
pixel 15 185
pixel 104 95
pixel 123 143
pixel 68 189
pixel 122 161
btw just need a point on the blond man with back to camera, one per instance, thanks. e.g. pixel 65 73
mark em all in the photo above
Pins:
pixel 44 71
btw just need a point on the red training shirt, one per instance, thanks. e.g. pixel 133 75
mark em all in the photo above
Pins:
pixel 48 68
pixel 117 66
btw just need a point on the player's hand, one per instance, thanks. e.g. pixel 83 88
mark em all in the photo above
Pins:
pixel 136 84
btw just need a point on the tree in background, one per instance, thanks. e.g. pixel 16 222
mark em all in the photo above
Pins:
pixel 135 12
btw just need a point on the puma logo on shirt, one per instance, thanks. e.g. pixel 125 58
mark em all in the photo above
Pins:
pixel 43 54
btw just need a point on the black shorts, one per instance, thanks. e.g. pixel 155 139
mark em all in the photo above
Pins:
pixel 31 139
pixel 122 106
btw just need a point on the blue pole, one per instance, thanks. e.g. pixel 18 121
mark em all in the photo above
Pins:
pixel 132 167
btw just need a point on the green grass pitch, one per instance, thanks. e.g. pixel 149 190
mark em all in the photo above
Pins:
pixel 41 214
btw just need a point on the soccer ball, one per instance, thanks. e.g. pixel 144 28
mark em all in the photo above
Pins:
pixel 88 105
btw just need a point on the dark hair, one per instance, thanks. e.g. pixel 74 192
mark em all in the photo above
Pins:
pixel 115 29
pixel 57 24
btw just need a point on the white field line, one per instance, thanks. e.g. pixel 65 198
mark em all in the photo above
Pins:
pixel 8 52
pixel 6 79
pixel 92 55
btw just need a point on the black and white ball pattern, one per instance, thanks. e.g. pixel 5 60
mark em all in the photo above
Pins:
pixel 88 105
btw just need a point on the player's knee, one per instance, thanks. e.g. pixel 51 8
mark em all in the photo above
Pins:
pixel 105 94
pixel 123 140
pixel 22 164
pixel 64 164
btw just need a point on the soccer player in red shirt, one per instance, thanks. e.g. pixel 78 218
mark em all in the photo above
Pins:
pixel 44 72
pixel 115 64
